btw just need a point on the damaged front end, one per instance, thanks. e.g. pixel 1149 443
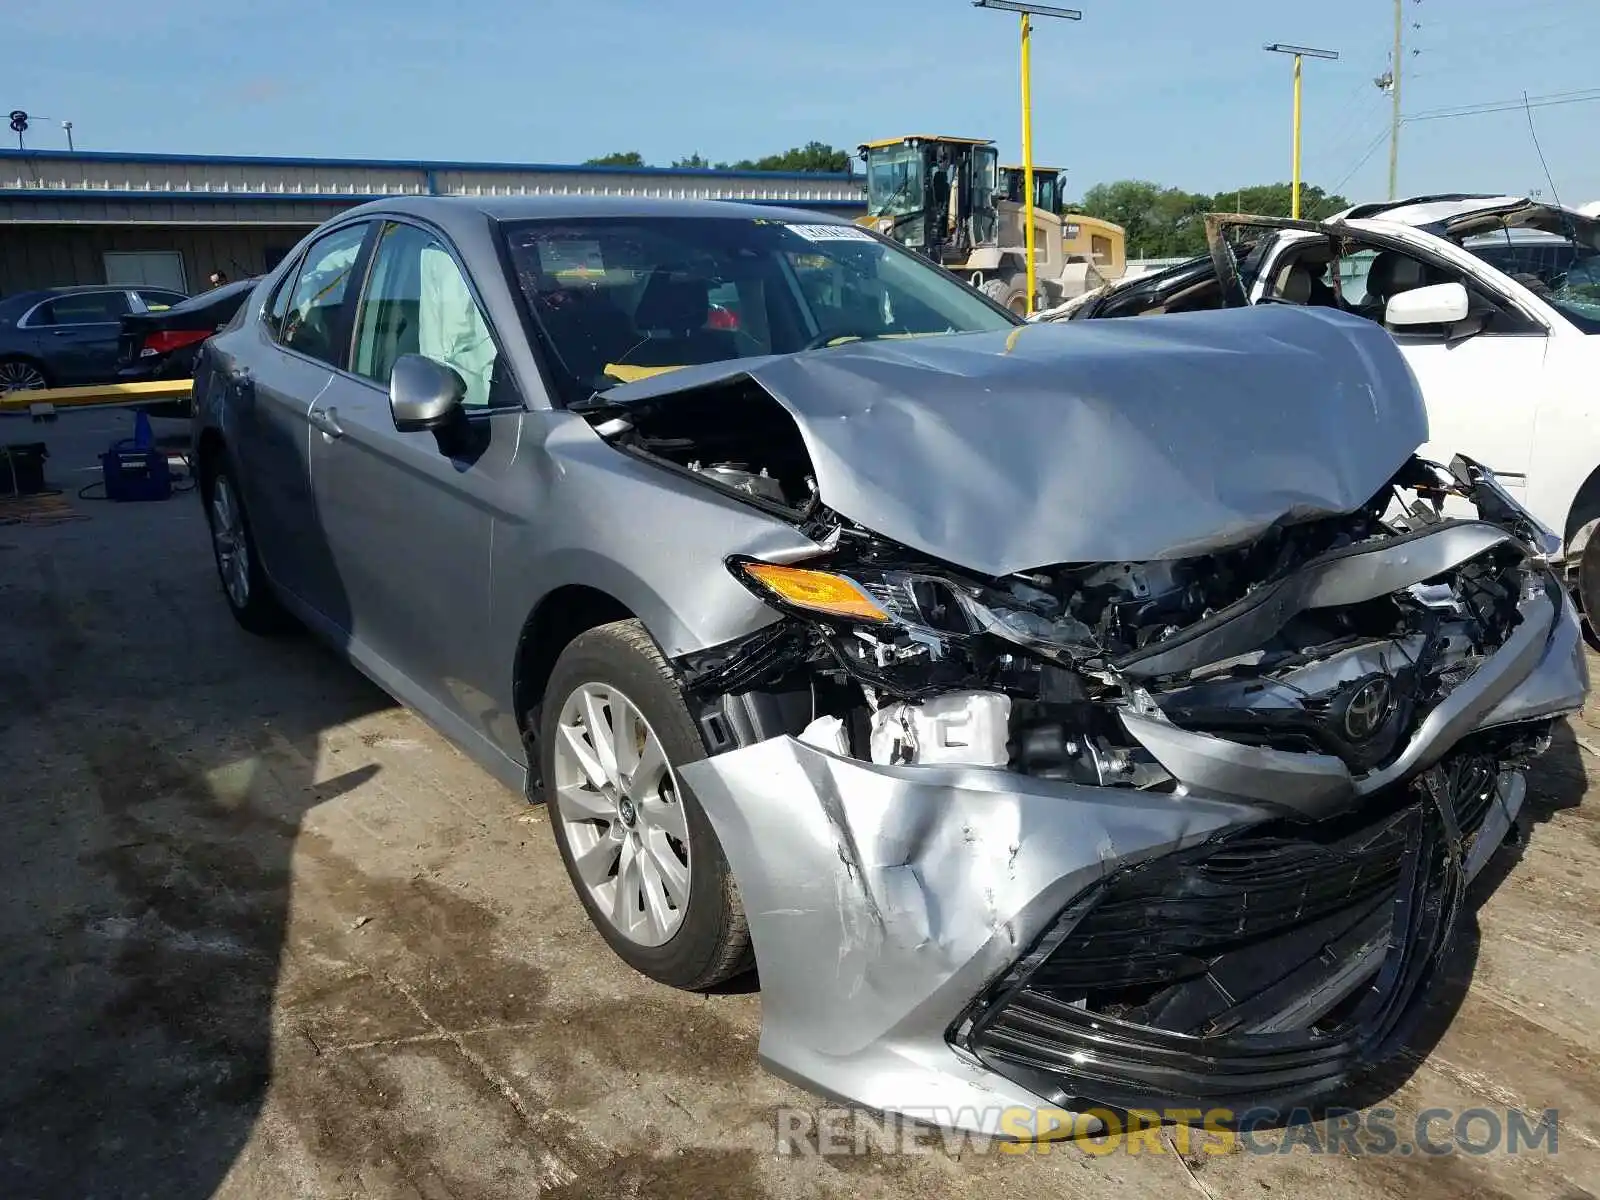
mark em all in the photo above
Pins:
pixel 1185 832
pixel 1191 828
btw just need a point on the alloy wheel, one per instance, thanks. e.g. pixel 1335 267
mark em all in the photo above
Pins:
pixel 227 538
pixel 20 377
pixel 618 803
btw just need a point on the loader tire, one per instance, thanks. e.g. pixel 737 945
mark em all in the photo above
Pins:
pixel 1008 293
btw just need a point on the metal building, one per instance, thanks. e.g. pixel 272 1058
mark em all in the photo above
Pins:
pixel 95 217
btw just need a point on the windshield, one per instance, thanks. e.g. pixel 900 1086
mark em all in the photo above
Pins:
pixel 1556 256
pixel 894 182
pixel 615 299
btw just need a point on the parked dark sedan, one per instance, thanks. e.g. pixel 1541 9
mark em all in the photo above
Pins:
pixel 58 337
pixel 164 345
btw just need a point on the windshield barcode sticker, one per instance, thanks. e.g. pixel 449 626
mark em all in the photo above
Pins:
pixel 831 233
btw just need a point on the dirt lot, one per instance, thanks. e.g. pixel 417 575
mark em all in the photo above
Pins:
pixel 264 934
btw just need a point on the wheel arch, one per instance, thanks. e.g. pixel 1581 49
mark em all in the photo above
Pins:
pixel 559 617
pixel 1584 509
pixel 210 452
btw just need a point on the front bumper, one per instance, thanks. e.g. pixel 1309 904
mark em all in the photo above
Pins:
pixel 902 915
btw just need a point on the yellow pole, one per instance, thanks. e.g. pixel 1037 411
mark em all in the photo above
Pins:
pixel 1294 195
pixel 1027 151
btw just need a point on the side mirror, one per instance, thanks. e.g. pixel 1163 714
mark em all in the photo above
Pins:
pixel 424 394
pixel 1437 304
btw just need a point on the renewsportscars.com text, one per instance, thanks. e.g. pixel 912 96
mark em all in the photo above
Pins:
pixel 1371 1132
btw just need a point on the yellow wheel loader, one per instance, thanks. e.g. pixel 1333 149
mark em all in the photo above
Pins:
pixel 950 200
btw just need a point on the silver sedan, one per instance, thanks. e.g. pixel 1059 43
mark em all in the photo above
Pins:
pixel 1097 714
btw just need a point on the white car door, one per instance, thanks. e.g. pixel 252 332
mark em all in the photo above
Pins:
pixel 1482 395
pixel 1481 390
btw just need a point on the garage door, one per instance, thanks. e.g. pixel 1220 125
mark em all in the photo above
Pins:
pixel 159 268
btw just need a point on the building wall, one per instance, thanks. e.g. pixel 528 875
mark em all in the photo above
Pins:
pixel 34 256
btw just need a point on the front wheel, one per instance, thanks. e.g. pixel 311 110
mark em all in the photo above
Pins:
pixel 640 852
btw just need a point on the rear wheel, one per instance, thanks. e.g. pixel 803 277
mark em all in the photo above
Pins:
pixel 641 854
pixel 21 375
pixel 249 595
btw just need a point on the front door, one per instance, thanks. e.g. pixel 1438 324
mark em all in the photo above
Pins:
pixel 410 522
pixel 1481 391
pixel 76 335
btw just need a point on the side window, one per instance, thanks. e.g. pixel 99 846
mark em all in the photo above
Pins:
pixel 82 308
pixel 278 306
pixel 316 305
pixel 418 302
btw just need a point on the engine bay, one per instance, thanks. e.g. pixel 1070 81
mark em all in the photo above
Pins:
pixel 1034 672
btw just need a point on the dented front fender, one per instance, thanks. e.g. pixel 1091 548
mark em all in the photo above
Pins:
pixel 882 899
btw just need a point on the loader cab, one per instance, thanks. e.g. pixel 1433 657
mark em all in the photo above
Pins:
pixel 933 194
pixel 1047 186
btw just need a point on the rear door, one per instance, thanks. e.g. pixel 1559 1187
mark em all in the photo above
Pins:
pixel 75 335
pixel 410 517
pixel 305 331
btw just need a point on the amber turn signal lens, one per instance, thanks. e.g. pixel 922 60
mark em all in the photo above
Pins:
pixel 818 591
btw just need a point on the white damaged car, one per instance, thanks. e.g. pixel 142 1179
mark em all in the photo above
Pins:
pixel 1494 302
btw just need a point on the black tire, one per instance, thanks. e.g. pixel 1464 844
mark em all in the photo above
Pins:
pixel 260 613
pixel 1008 293
pixel 20 363
pixel 712 943
pixel 1588 590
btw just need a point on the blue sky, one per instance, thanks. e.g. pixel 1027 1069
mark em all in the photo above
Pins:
pixel 1178 91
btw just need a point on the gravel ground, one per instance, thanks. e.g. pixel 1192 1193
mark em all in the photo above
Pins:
pixel 265 934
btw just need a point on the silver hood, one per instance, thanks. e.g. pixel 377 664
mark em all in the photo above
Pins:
pixel 1093 442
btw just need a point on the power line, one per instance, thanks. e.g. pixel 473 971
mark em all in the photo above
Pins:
pixel 1534 134
pixel 1372 148
pixel 1585 96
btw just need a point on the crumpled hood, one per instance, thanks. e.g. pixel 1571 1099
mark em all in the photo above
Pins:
pixel 1095 441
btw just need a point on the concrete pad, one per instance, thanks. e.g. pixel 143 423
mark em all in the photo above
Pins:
pixel 265 934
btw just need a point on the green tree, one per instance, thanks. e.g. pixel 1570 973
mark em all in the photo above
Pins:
pixel 1160 222
pixel 1273 200
pixel 813 156
pixel 618 158
pixel 694 161
pixel 1167 222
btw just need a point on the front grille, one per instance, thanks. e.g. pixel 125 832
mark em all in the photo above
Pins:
pixel 1234 971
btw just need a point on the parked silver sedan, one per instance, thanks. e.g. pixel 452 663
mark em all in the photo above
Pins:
pixel 1097 714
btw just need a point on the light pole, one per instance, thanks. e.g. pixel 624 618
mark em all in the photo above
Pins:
pixel 1028 12
pixel 1299 52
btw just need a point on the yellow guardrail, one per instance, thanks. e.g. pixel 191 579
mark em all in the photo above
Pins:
pixel 100 395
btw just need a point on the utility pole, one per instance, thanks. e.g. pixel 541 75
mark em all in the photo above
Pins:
pixel 67 125
pixel 1298 52
pixel 1028 9
pixel 1394 97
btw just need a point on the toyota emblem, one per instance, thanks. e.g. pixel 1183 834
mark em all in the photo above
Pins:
pixel 1367 710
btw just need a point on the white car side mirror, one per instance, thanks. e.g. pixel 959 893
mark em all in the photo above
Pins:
pixel 1437 304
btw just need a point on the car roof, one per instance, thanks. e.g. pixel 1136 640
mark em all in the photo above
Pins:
pixel 1430 210
pixel 451 211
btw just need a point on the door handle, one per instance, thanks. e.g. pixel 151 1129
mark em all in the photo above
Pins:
pixel 326 420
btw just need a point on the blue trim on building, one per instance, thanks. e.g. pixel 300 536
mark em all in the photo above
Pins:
pixel 424 165
pixel 350 198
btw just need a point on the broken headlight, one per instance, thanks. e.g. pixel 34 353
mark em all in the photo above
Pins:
pixel 928 608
